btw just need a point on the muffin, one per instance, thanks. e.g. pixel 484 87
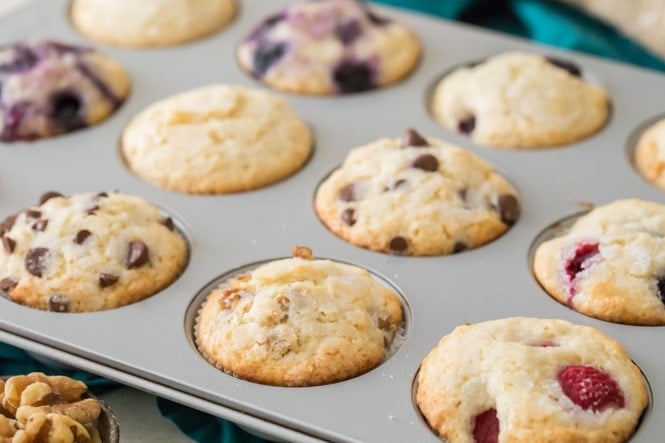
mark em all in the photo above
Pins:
pixel 329 47
pixel 88 252
pixel 50 88
pixel 149 23
pixel 215 140
pixel 527 380
pixel 520 100
pixel 298 322
pixel 650 154
pixel 37 408
pixel 416 196
pixel 610 264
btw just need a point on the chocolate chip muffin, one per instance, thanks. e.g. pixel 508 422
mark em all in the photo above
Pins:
pixel 149 23
pixel 527 380
pixel 50 88
pixel 520 100
pixel 416 196
pixel 610 264
pixel 298 322
pixel 216 139
pixel 329 47
pixel 88 252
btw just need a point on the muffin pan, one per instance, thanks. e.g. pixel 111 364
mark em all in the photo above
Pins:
pixel 148 344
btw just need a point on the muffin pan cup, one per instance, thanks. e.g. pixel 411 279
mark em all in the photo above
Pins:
pixel 147 344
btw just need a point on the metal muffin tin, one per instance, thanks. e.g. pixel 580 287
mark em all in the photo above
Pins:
pixel 148 344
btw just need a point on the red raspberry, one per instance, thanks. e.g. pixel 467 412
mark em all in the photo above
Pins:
pixel 580 259
pixel 486 427
pixel 590 388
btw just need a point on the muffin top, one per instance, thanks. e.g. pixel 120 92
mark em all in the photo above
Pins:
pixel 416 196
pixel 328 47
pixel 216 139
pixel 610 264
pixel 527 380
pixel 88 252
pixel 50 88
pixel 520 100
pixel 650 154
pixel 149 23
pixel 298 322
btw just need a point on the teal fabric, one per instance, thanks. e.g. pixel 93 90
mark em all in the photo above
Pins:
pixel 543 21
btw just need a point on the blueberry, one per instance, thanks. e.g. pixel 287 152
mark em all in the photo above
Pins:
pixel 13 119
pixel 266 25
pixel 661 289
pixel 65 111
pixel 348 32
pixel 351 76
pixel 24 60
pixel 266 55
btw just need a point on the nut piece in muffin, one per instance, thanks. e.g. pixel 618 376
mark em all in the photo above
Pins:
pixel 527 380
pixel 329 47
pixel 37 408
pixel 610 264
pixel 299 322
pixel 520 100
pixel 50 88
pixel 416 196
pixel 149 23
pixel 216 139
pixel 88 252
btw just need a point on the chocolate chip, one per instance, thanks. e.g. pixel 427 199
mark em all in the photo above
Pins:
pixel 35 261
pixel 92 210
pixel 48 196
pixel 40 225
pixel 347 193
pixel 398 244
pixel 168 222
pixel 351 76
pixel 412 139
pixel 58 303
pixel 426 162
pixel 33 213
pixel 266 55
pixel 102 195
pixel 459 247
pixel 81 236
pixel 509 208
pixel 9 244
pixel 660 285
pixel 397 184
pixel 107 279
pixel 349 217
pixel 348 32
pixel 462 194
pixel 7 224
pixel 137 254
pixel 566 65
pixel 467 125
pixel 7 283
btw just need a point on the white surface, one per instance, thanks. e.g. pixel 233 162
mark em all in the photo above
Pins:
pixel 137 412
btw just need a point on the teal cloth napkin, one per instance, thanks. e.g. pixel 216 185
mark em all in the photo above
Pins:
pixel 543 21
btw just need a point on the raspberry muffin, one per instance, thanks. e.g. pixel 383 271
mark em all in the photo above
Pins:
pixel 298 322
pixel 216 139
pixel 610 264
pixel 149 23
pixel 520 100
pixel 650 154
pixel 50 88
pixel 329 47
pixel 527 380
pixel 416 196
pixel 88 252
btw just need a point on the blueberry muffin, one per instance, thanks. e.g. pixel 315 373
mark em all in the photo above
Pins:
pixel 527 380
pixel 416 196
pixel 650 154
pixel 88 252
pixel 298 322
pixel 329 47
pixel 610 264
pixel 216 139
pixel 520 100
pixel 50 88
pixel 149 23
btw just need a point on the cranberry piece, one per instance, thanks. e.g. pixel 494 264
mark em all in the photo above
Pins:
pixel 486 427
pixel 580 259
pixel 590 388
